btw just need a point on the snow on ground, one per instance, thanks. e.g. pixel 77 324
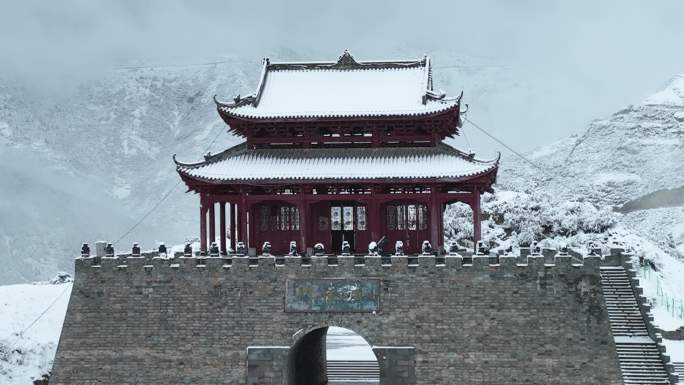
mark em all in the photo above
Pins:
pixel 675 349
pixel 345 345
pixel 26 356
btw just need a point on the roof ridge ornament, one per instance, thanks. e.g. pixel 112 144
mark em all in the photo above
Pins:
pixel 346 60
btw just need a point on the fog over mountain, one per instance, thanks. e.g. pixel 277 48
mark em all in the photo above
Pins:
pixel 587 58
pixel 96 97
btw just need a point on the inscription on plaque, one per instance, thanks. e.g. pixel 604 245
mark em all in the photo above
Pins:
pixel 332 295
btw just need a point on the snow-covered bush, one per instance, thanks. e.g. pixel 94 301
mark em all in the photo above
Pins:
pixel 526 217
pixel 539 214
pixel 458 222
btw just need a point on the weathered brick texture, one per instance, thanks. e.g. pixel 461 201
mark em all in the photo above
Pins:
pixel 159 321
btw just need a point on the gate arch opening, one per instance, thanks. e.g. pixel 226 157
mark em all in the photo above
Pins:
pixel 334 356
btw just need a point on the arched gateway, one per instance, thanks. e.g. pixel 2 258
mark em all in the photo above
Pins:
pixel 336 153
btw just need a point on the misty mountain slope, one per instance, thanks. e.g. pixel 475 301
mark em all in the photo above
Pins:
pixel 636 151
pixel 45 212
pixel 88 166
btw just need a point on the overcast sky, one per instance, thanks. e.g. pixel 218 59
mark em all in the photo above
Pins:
pixel 590 57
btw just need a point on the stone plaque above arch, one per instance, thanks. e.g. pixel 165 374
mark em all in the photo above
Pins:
pixel 332 295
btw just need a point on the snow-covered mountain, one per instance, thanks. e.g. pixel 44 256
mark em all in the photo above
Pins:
pixel 633 153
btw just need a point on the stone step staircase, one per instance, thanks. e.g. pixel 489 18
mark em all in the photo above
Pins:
pixel 365 372
pixel 640 357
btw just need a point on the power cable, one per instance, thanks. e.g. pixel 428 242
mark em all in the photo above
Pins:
pixel 44 311
pixel 163 198
pixel 509 148
pixel 13 344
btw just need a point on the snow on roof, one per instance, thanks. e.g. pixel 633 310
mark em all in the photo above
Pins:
pixel 343 88
pixel 242 163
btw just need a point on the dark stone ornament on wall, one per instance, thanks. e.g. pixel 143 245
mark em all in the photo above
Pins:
pixel 346 61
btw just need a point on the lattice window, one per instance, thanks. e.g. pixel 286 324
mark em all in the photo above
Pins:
pixel 412 218
pixel 278 218
pixel 361 217
pixel 294 218
pixel 264 218
pixel 336 218
pixel 391 217
pixel 348 218
pixel 401 217
pixel 422 217
pixel 407 217
pixel 284 218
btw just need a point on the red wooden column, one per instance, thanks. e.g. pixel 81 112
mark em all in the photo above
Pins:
pixel 477 232
pixel 238 226
pixel 303 209
pixel 212 224
pixel 203 226
pixel 243 209
pixel 233 226
pixel 374 218
pixel 442 207
pixel 435 217
pixel 222 226
pixel 251 228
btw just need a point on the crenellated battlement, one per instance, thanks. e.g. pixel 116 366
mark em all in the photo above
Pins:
pixel 562 263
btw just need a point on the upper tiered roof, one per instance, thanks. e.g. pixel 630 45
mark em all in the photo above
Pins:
pixel 344 102
pixel 345 88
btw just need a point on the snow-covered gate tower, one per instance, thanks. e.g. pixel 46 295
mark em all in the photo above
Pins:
pixel 337 152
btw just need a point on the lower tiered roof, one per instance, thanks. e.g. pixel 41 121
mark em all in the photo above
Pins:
pixel 241 163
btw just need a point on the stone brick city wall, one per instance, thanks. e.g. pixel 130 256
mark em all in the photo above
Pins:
pixel 160 321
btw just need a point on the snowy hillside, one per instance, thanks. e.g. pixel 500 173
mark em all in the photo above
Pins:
pixel 636 151
pixel 31 317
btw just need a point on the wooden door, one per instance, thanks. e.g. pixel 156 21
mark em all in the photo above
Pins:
pixel 407 222
pixel 349 222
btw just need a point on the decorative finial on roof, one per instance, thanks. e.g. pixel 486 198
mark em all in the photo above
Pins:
pixel 346 60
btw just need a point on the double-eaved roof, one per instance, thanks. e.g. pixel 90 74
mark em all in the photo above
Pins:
pixel 345 88
pixel 242 164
